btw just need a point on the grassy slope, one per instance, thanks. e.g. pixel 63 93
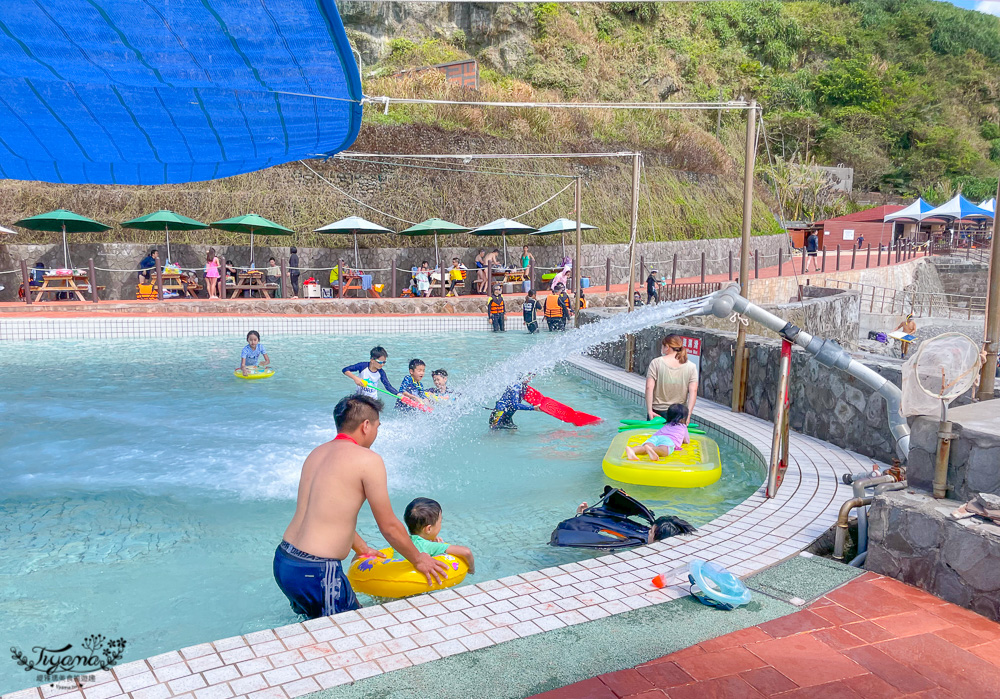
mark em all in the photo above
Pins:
pixel 905 90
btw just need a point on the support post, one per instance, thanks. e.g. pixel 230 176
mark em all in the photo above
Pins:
pixel 25 282
pixel 822 264
pixel 779 442
pixel 781 260
pixel 607 275
pixel 702 268
pixel 803 258
pixel 868 258
pixel 673 269
pixel 854 254
pixel 739 363
pixel 285 281
pixel 838 258
pixel 92 279
pixel 578 263
pixel 642 269
pixel 987 376
pixel 340 278
pixel 222 277
pixel 636 160
pixel 878 260
pixel 756 264
pixel 730 265
pixel 444 284
pixel 392 278
pixel 159 281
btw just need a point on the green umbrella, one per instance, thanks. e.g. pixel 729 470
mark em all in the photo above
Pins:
pixel 560 226
pixel 166 220
pixel 65 221
pixel 435 227
pixel 352 225
pixel 501 227
pixel 252 223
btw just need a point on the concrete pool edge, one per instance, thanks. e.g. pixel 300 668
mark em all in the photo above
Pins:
pixel 306 657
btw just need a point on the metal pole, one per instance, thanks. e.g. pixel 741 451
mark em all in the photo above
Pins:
pixel 444 287
pixel 222 277
pixel 607 275
pixel 642 269
pixel 702 268
pixel 392 277
pixel 578 266
pixel 987 377
pixel 739 379
pixel 838 258
pixel 159 280
pixel 822 265
pixel 756 264
pixel 781 259
pixel 340 278
pixel 803 258
pixel 26 281
pixel 730 265
pixel 673 269
pixel 92 279
pixel 854 254
pixel 868 259
pixel 285 283
pixel 636 160
pixel 780 434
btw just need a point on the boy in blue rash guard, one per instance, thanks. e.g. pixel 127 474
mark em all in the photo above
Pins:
pixel 510 402
pixel 412 385
pixel 370 371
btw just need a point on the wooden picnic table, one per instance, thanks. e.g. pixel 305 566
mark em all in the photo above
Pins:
pixel 173 281
pixel 509 276
pixel 64 284
pixel 352 280
pixel 251 280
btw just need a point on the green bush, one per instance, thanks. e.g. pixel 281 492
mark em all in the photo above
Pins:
pixel 545 13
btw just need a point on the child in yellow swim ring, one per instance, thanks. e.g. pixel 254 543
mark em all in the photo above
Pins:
pixel 423 518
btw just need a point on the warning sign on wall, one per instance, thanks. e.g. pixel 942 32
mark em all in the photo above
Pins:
pixel 693 347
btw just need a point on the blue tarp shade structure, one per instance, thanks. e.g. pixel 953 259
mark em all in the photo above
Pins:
pixel 158 91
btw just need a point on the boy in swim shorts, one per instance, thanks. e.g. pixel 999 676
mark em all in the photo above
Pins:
pixel 423 518
pixel 668 439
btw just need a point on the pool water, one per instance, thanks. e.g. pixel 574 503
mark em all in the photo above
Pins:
pixel 145 488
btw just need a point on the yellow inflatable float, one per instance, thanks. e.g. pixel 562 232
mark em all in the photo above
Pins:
pixel 694 466
pixel 266 374
pixel 394 577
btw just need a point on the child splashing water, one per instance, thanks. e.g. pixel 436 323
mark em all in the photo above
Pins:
pixel 250 357
pixel 668 439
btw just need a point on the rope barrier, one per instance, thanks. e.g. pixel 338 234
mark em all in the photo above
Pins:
pixel 355 199
pixel 545 202
pixel 512 173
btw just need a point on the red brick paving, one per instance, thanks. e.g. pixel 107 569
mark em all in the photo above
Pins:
pixel 874 638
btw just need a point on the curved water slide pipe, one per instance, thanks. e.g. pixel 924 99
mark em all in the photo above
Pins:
pixel 727 301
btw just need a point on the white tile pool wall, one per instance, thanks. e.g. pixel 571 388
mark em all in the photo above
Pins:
pixel 135 326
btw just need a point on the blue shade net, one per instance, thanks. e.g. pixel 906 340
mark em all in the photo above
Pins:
pixel 166 91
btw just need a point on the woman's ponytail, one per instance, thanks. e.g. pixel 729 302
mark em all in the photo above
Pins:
pixel 675 343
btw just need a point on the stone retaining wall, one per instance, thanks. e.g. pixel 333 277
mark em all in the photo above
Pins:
pixel 125 256
pixel 912 538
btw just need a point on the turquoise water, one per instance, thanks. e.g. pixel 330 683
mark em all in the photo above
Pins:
pixel 145 488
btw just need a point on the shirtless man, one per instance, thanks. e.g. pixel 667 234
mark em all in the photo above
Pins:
pixel 337 478
pixel 908 326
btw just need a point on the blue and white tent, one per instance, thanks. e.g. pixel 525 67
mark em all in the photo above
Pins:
pixel 989 205
pixel 959 208
pixel 157 91
pixel 917 211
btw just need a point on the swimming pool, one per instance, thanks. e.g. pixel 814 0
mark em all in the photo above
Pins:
pixel 145 488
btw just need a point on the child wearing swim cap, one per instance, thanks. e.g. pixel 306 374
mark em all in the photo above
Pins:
pixel 668 439
pixel 423 518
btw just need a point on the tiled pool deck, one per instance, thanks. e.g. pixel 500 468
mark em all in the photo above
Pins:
pixel 306 657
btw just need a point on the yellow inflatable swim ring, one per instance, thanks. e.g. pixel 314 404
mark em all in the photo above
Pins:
pixel 694 466
pixel 394 577
pixel 266 374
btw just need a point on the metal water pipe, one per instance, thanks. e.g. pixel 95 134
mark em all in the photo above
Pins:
pixel 842 519
pixel 727 301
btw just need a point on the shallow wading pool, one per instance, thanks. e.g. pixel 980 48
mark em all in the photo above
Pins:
pixel 145 488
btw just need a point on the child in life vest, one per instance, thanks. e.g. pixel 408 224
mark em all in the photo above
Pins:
pixel 496 310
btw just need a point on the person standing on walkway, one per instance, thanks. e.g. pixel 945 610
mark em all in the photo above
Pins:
pixel 812 250
pixel 861 241
pixel 212 274
pixel 652 296
pixel 293 271
pixel 671 379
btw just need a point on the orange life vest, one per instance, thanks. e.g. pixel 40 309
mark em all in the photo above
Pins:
pixel 497 306
pixel 552 307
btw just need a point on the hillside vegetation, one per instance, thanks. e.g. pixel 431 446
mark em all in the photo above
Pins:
pixel 905 91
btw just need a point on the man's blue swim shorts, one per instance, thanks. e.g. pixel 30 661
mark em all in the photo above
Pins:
pixel 314 586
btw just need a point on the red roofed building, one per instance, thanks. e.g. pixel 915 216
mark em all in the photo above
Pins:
pixel 845 230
